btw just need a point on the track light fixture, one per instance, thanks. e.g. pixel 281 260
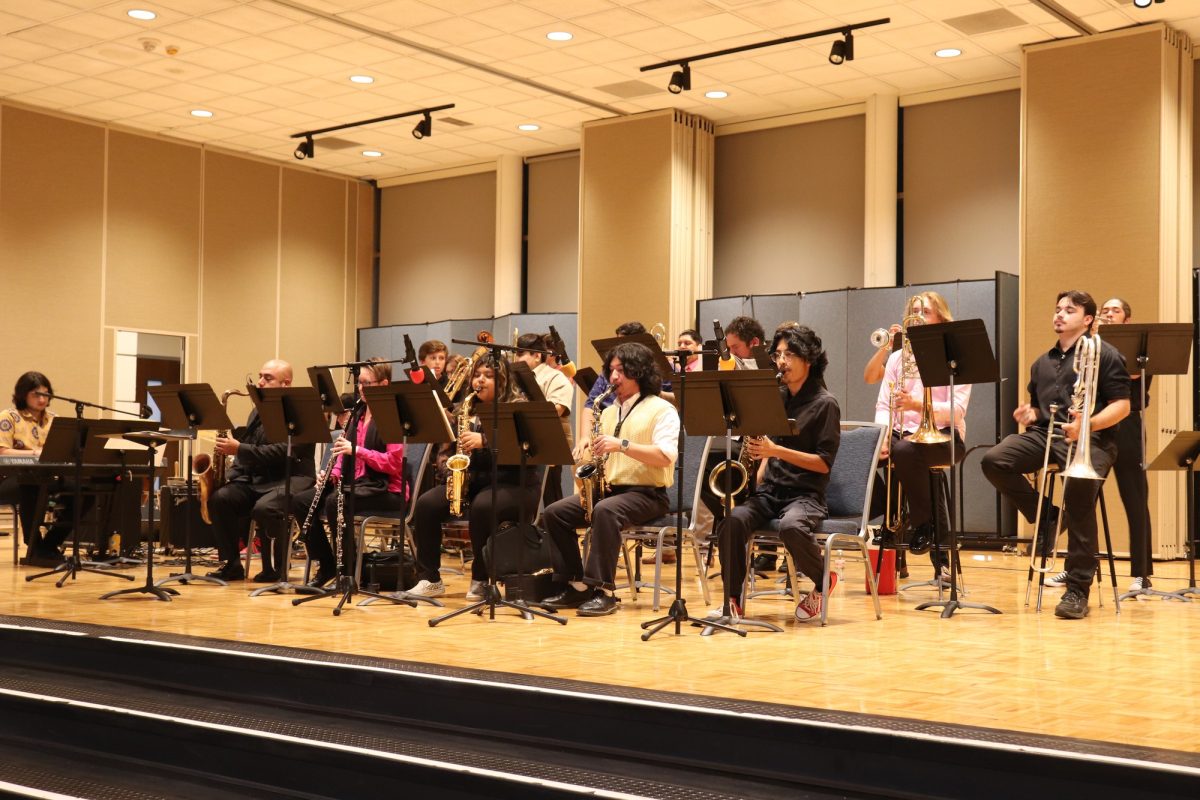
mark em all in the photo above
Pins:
pixel 681 81
pixel 423 129
pixel 1145 3
pixel 842 51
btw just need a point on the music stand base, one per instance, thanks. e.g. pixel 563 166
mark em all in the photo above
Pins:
pixel 70 569
pixel 1183 593
pixel 345 589
pixel 185 578
pixel 950 606
pixel 146 588
pixel 678 614
pixel 287 587
pixel 1157 593
pixel 491 600
pixel 401 596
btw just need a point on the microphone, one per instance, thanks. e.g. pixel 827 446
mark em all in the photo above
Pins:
pixel 416 373
pixel 724 357
pixel 565 365
pixel 410 355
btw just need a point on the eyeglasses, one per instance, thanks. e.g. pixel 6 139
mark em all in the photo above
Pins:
pixel 781 357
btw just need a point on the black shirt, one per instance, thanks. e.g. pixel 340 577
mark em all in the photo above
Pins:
pixel 261 462
pixel 1052 380
pixel 817 417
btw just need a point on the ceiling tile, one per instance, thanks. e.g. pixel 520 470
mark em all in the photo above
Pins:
pixel 672 12
pixel 457 31
pixel 400 15
pixel 512 17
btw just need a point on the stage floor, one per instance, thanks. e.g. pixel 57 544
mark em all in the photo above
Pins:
pixel 1127 679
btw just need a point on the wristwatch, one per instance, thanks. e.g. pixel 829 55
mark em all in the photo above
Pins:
pixel 624 445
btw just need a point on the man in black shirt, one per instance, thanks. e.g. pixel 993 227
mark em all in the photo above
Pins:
pixel 1052 380
pixel 794 470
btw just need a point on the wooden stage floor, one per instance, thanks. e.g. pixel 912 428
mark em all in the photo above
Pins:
pixel 1130 679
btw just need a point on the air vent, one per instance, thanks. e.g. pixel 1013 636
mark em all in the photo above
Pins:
pixel 985 21
pixel 628 89
pixel 335 143
pixel 455 121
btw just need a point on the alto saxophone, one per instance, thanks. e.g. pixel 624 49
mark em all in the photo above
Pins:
pixel 593 485
pixel 209 470
pixel 460 461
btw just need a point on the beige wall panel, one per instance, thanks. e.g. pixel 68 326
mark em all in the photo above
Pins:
pixel 51 207
pixel 313 274
pixel 241 233
pixel 154 197
pixel 1092 213
pixel 437 250
pixel 625 226
pixel 553 239
pixel 962 180
pixel 789 208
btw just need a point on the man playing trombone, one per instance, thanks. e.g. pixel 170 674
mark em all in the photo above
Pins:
pixel 1056 399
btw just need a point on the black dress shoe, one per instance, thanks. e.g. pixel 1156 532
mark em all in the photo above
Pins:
pixel 229 573
pixel 323 577
pixel 571 598
pixel 601 605
pixel 266 577
pixel 921 540
pixel 764 562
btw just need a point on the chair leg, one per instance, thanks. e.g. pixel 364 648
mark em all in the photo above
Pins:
pixel 864 550
pixel 701 571
pixel 1112 564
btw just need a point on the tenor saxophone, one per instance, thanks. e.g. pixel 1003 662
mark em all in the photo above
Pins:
pixel 209 470
pixel 593 485
pixel 460 461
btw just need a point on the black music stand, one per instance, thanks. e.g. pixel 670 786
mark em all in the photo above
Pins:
pixel 604 346
pixel 289 414
pixel 192 407
pixel 585 379
pixel 524 378
pixel 526 434
pixel 81 441
pixel 732 403
pixel 949 354
pixel 322 380
pixel 1151 348
pixel 1181 454
pixel 149 440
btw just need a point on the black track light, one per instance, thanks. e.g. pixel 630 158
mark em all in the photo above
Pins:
pixel 843 49
pixel 424 128
pixel 681 81
pixel 304 149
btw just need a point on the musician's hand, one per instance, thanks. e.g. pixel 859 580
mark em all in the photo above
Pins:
pixel 758 447
pixel 1025 414
pixel 227 445
pixel 341 447
pixel 887 446
pixel 605 445
pixel 470 441
pixel 1071 429
pixel 892 331
pixel 907 402
pixel 581 450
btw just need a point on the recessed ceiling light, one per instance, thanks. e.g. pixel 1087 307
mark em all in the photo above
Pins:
pixel 361 79
pixel 560 36
pixel 717 94
pixel 528 126
pixel 142 14
pixel 372 153
pixel 947 52
pixel 202 113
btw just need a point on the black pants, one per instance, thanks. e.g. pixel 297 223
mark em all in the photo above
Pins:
pixel 911 464
pixel 1135 494
pixel 317 541
pixel 798 518
pixel 433 509
pixel 626 505
pixel 1006 465
pixel 234 505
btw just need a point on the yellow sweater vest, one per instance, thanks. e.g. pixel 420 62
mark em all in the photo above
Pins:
pixel 621 470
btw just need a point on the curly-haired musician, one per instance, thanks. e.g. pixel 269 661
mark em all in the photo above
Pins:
pixel 639 442
pixel 1052 381
pixel 794 470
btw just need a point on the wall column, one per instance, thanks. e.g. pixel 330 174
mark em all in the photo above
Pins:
pixel 510 198
pixel 879 246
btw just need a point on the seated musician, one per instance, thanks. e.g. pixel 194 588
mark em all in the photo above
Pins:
pixel 23 432
pixel 433 354
pixel 477 498
pixel 899 405
pixel 639 440
pixel 378 483
pixel 794 471
pixel 254 489
pixel 1052 382
pixel 741 337
pixel 690 339
pixel 586 415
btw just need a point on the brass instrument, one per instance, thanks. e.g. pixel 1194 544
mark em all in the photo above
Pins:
pixel 460 461
pixel 593 485
pixel 880 337
pixel 209 471
pixel 743 467
pixel 893 518
pixel 659 332
pixel 462 373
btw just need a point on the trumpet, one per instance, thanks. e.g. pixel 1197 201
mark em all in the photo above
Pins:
pixel 209 470
pixel 880 337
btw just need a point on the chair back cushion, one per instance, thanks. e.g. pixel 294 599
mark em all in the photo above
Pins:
pixel 853 470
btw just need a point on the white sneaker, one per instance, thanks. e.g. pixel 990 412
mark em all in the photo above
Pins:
pixel 1139 584
pixel 428 589
pixel 1058 580
pixel 476 590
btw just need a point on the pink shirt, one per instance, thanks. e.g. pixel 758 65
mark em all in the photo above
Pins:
pixel 911 420
pixel 388 462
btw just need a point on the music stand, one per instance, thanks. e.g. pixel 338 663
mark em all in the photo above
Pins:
pixel 1181 453
pixel 289 414
pixel 526 433
pixel 192 407
pixel 604 346
pixel 82 439
pixel 322 380
pixel 585 379
pixel 149 440
pixel 523 378
pixel 731 403
pixel 950 353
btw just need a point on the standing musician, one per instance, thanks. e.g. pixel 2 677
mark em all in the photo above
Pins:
pixel 556 388
pixel 23 432
pixel 899 406
pixel 433 506
pixel 639 441
pixel 378 481
pixel 794 471
pixel 1052 379
pixel 255 488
